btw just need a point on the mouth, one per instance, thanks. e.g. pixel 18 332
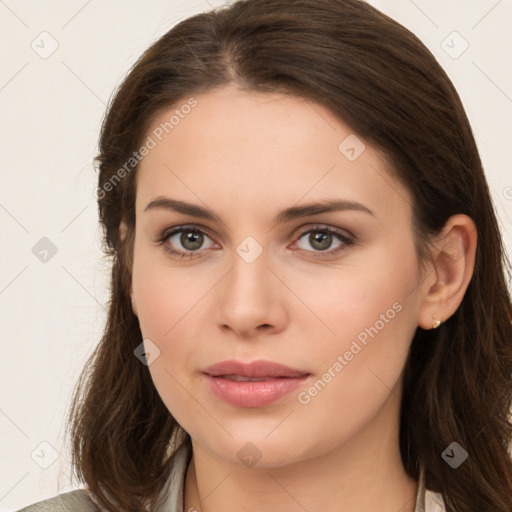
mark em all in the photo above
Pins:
pixel 242 378
pixel 253 385
pixel 256 370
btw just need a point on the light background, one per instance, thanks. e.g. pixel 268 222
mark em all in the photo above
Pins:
pixel 51 110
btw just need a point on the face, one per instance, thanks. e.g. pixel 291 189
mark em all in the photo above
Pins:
pixel 333 295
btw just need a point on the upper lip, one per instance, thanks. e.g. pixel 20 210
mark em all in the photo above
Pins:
pixel 256 369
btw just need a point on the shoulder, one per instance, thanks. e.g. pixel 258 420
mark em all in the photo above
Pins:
pixel 74 501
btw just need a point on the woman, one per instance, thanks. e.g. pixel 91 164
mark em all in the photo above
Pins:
pixel 309 307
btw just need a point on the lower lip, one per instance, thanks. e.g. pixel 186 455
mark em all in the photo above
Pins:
pixel 253 394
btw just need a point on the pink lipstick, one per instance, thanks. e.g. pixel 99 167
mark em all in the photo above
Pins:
pixel 253 384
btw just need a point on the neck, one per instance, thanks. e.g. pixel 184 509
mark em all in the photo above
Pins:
pixel 363 474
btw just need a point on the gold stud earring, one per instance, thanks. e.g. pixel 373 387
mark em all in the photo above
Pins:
pixel 437 323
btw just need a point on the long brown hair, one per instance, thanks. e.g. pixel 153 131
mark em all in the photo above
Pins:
pixel 384 83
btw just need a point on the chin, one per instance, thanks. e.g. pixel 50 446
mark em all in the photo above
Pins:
pixel 256 448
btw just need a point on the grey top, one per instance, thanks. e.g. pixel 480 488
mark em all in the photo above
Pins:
pixel 171 499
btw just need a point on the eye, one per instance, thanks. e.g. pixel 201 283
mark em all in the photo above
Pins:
pixel 189 237
pixel 192 238
pixel 321 239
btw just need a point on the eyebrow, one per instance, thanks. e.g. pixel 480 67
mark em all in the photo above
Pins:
pixel 294 212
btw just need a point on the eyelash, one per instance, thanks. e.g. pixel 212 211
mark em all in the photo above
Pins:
pixel 346 241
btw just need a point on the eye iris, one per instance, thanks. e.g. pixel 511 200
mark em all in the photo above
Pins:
pixel 322 238
pixel 191 236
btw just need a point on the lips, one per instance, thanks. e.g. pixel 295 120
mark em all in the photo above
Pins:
pixel 257 370
pixel 256 384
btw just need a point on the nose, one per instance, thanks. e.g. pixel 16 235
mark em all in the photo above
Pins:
pixel 249 298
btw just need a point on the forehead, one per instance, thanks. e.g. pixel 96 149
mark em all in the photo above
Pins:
pixel 262 150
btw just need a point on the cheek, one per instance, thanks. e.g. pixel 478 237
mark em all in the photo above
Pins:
pixel 165 296
pixel 371 312
pixel 375 292
pixel 165 303
pixel 169 301
pixel 359 369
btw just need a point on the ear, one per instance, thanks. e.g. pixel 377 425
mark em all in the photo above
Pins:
pixel 123 229
pixel 446 282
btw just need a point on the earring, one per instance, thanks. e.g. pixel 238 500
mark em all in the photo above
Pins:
pixel 437 323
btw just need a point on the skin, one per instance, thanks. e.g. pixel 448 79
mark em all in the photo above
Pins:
pixel 247 156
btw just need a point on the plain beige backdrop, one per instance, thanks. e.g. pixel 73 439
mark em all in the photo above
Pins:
pixel 60 61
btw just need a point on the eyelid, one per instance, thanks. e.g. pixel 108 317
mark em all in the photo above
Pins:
pixel 341 232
